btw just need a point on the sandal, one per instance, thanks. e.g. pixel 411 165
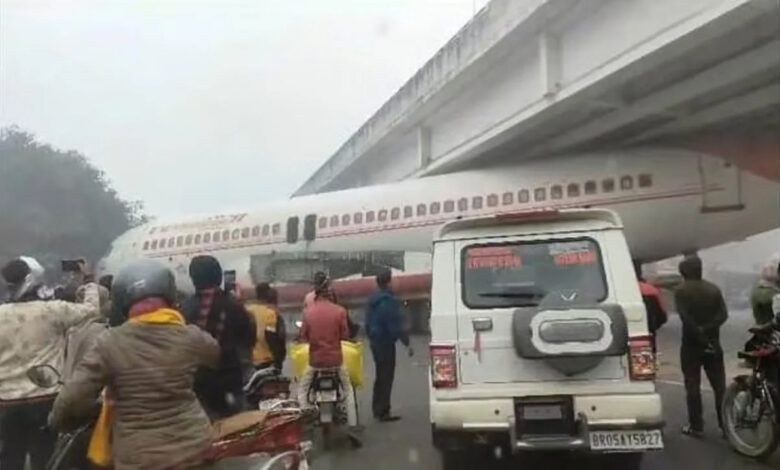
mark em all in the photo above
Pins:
pixel 689 430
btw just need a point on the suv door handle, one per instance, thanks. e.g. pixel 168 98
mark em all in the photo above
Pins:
pixel 482 324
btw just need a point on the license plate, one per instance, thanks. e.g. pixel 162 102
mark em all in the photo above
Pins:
pixel 626 440
pixel 326 396
pixel 542 412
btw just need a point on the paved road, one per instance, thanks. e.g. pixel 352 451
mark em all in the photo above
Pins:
pixel 407 445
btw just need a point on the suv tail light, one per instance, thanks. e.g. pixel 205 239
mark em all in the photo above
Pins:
pixel 444 366
pixel 641 358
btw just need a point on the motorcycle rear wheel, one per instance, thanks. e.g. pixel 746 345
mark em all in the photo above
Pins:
pixel 738 401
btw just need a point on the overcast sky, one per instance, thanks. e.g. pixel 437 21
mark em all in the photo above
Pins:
pixel 200 106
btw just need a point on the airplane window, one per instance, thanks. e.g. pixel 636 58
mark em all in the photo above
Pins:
pixel 540 194
pixel 236 234
pixel 345 219
pixel 334 221
pixel 225 235
pixel 171 241
pixel 408 212
pixel 188 240
pixel 573 190
pixel 492 200
pixel 256 231
pixel 207 237
pixel 645 180
pixel 216 237
pixel 369 217
pixel 508 199
pixel 162 243
pixel 449 205
pixel 608 185
pixel 197 239
pixel 154 244
pixel 382 216
pixel 476 202
pixel 266 230
pixel 435 208
pixel 626 183
pixel 146 245
pixel 463 204
pixel 323 222
pixel 590 187
pixel 422 209
pixel 523 196
pixel 245 232
pixel 276 229
pixel 556 192
pixel 395 213
pixel 179 240
pixel 358 218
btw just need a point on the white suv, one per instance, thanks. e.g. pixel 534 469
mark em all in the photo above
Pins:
pixel 540 340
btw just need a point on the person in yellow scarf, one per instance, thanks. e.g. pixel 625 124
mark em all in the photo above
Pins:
pixel 148 366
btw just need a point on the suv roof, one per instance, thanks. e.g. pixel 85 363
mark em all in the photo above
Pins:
pixel 543 221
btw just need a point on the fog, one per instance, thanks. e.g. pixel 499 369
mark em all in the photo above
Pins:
pixel 199 106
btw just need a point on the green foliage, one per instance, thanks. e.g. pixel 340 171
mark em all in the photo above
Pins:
pixel 54 204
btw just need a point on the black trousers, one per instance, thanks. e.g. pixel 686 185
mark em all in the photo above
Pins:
pixel 384 361
pixel 692 360
pixel 23 431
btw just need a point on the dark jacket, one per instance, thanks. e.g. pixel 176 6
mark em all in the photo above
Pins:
pixel 158 421
pixel 384 322
pixel 227 321
pixel 702 312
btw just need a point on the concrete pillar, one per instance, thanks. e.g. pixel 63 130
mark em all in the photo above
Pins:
pixel 424 146
pixel 550 63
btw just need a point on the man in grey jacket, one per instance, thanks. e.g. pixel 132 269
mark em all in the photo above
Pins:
pixel 33 331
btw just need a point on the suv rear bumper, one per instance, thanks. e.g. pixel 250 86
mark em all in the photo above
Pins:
pixel 460 423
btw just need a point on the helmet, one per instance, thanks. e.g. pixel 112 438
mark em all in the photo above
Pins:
pixel 139 280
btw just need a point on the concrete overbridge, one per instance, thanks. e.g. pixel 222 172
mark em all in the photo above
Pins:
pixel 538 78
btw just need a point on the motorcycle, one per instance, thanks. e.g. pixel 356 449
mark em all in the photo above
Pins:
pixel 266 384
pixel 70 448
pixel 751 406
pixel 70 451
pixel 327 394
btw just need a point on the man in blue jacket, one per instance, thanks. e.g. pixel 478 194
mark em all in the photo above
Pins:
pixel 384 326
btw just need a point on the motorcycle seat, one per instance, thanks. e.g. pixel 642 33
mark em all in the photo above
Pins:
pixel 762 329
pixel 756 354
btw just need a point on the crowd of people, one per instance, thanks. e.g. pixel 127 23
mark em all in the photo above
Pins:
pixel 166 367
pixel 170 368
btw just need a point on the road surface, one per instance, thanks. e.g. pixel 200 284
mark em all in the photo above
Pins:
pixel 407 444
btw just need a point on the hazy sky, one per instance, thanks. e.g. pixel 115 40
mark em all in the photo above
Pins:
pixel 198 106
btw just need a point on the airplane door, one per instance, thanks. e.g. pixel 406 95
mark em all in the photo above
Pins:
pixel 721 185
pixel 310 227
pixel 292 230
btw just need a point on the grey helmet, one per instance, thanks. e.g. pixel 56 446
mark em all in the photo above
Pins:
pixel 138 280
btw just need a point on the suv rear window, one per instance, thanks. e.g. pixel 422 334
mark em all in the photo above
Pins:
pixel 523 274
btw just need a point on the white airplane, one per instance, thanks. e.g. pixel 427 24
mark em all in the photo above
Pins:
pixel 671 202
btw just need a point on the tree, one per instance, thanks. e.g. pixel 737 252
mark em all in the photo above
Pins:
pixel 54 204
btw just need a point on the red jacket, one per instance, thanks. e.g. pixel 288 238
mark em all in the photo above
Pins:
pixel 324 326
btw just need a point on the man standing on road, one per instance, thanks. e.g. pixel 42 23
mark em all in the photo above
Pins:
pixel 384 326
pixel 702 311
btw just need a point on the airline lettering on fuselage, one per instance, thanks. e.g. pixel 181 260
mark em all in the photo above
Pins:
pixel 216 221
